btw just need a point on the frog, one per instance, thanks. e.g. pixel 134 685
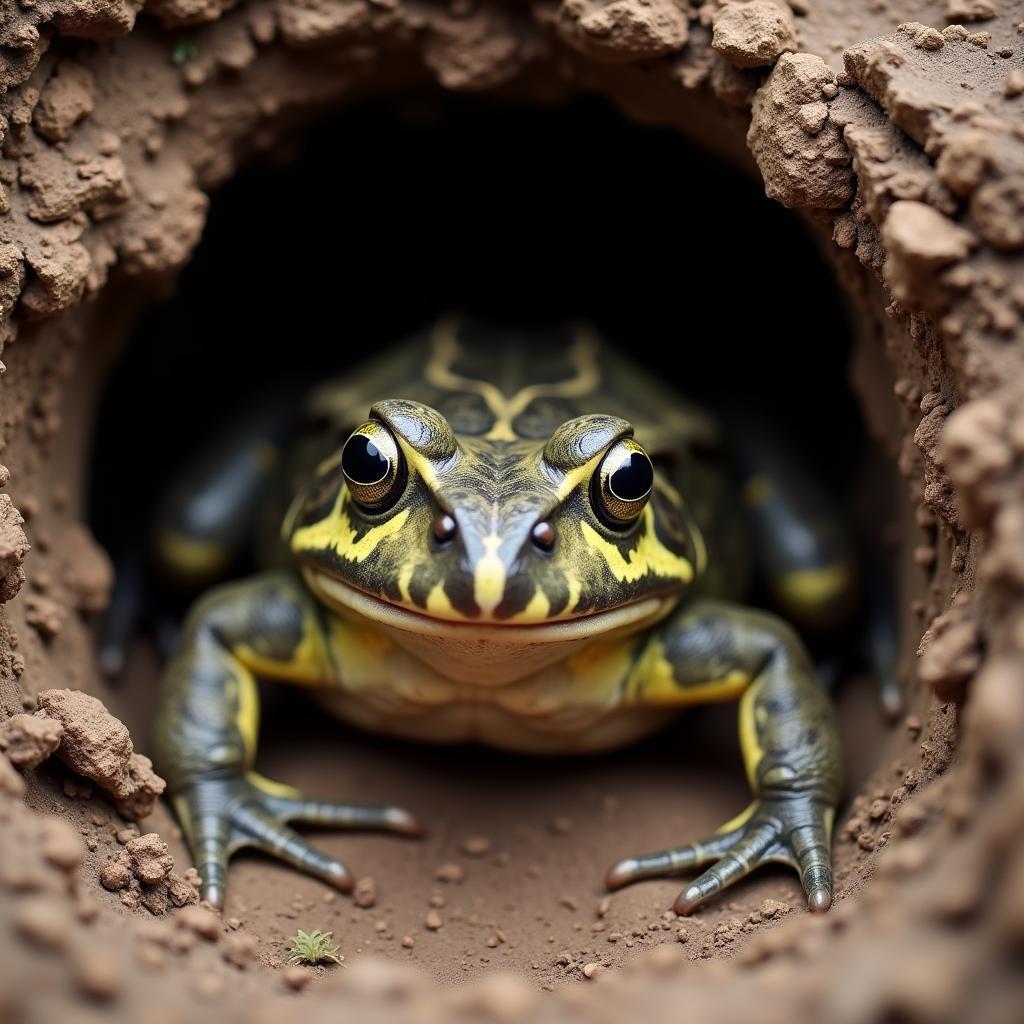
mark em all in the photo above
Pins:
pixel 516 538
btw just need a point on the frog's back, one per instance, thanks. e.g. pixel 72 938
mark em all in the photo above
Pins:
pixel 514 384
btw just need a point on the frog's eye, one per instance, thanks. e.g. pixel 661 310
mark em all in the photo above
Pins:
pixel 622 484
pixel 373 466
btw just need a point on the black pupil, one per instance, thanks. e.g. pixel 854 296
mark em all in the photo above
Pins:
pixel 363 462
pixel 633 479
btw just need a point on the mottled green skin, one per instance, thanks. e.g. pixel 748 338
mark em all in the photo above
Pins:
pixel 508 475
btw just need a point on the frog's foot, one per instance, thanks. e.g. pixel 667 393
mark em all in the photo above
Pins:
pixel 223 815
pixel 794 831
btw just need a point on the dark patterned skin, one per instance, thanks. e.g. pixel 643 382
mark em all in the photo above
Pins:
pixel 501 582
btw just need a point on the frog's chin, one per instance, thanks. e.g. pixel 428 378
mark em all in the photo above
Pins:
pixel 484 653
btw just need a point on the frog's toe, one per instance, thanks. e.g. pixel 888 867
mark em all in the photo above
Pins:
pixel 787 831
pixel 668 863
pixel 260 828
pixel 211 849
pixel 793 832
pixel 223 815
pixel 745 855
pixel 345 816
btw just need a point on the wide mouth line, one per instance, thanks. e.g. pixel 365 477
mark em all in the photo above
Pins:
pixel 340 592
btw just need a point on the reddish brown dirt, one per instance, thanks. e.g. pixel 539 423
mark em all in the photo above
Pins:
pixel 902 142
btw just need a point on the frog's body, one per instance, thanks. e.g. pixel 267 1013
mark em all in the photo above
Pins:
pixel 522 574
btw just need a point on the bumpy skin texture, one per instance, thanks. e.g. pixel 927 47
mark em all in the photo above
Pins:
pixel 513 467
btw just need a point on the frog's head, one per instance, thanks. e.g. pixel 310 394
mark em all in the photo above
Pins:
pixel 509 542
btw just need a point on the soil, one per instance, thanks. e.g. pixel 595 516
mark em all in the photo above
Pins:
pixel 895 129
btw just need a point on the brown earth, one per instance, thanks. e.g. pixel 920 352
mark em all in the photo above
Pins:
pixel 901 141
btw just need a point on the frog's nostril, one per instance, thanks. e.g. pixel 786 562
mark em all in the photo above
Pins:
pixel 543 536
pixel 444 528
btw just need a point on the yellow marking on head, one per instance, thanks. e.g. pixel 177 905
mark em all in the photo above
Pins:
pixel 757 490
pixel 741 819
pixel 809 588
pixel 335 533
pixel 505 408
pixel 270 787
pixel 489 576
pixel 575 477
pixel 538 609
pixel 422 466
pixel 750 745
pixel 575 589
pixel 190 556
pixel 653 682
pixel 649 556
pixel 404 579
pixel 438 603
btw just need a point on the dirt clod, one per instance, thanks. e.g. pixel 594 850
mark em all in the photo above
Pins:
pixel 28 740
pixel 476 846
pixel 150 860
pixel 199 921
pixel 365 894
pixel 295 978
pixel 450 872
pixel 753 34
pixel 98 972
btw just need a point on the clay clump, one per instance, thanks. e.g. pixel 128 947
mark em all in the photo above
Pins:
pixel 623 30
pixel 28 740
pixel 14 546
pixel 801 154
pixel 143 873
pixel 97 745
pixel 753 34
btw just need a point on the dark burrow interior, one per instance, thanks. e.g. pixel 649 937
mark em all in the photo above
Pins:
pixel 375 222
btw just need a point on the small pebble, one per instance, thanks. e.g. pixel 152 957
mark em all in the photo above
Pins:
pixel 365 894
pixel 97 972
pixel 296 978
pixel 476 846
pixel 44 921
pixel 450 872
pixel 199 921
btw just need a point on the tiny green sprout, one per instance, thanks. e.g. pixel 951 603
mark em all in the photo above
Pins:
pixel 183 51
pixel 314 947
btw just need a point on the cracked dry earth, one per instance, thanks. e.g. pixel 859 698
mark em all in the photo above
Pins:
pixel 895 129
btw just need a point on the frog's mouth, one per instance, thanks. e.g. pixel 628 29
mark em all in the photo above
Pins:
pixel 344 597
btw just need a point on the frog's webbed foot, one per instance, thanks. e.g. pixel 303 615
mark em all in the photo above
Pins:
pixel 793 830
pixel 223 815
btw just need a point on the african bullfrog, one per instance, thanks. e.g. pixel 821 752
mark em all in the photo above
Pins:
pixel 521 540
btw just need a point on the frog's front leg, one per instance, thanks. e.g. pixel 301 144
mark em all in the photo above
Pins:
pixel 208 720
pixel 711 651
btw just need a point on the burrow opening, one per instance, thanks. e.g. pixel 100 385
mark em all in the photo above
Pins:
pixel 379 219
